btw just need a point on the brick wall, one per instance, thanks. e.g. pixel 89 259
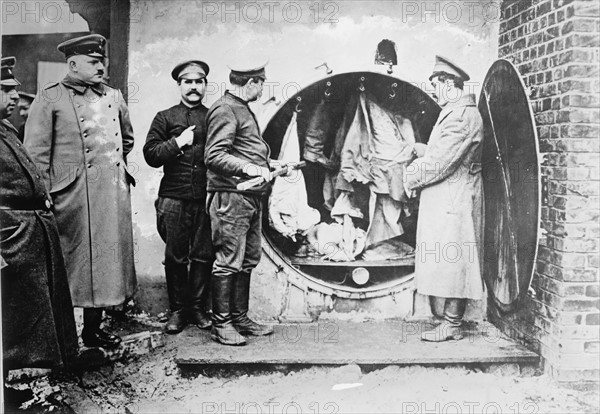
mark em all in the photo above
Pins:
pixel 555 46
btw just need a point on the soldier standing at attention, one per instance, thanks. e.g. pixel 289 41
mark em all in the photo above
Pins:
pixel 176 142
pixel 235 151
pixel 79 134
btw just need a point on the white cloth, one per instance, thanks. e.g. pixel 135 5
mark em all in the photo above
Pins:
pixel 289 212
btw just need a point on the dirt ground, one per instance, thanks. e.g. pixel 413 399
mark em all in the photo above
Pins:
pixel 153 383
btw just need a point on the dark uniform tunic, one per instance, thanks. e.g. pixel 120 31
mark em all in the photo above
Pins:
pixel 79 136
pixel 38 328
pixel 182 221
pixel 233 141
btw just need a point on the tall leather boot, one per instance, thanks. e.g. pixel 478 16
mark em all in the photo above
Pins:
pixel 241 298
pixel 92 335
pixel 450 328
pixel 177 276
pixel 222 328
pixel 198 291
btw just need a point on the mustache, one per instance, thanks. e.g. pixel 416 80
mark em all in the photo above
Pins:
pixel 192 93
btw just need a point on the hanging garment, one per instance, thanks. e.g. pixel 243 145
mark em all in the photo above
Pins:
pixel 378 146
pixel 385 213
pixel 289 212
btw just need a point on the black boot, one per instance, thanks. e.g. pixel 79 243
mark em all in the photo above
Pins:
pixel 92 335
pixel 198 292
pixel 450 328
pixel 177 276
pixel 241 297
pixel 222 327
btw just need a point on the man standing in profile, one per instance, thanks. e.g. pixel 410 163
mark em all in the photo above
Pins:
pixel 448 174
pixel 79 134
pixel 234 150
pixel 176 142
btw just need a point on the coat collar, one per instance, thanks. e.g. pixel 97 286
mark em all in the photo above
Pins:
pixel 465 100
pixel 6 124
pixel 80 87
pixel 181 105
pixel 229 95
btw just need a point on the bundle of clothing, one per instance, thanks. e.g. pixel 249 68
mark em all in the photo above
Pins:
pixel 363 185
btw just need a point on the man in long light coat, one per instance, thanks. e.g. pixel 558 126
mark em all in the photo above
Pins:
pixel 79 135
pixel 449 230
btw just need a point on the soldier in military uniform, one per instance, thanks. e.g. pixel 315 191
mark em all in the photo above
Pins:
pixel 79 134
pixel 448 174
pixel 234 150
pixel 176 142
pixel 38 327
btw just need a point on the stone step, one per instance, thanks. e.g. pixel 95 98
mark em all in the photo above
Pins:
pixel 371 345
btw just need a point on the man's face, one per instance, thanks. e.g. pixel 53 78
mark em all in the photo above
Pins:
pixel 444 91
pixel 24 105
pixel 255 89
pixel 88 69
pixel 8 100
pixel 192 87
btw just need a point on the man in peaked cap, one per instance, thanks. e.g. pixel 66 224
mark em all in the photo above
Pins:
pixel 176 142
pixel 25 100
pixel 79 133
pixel 448 175
pixel 38 327
pixel 235 151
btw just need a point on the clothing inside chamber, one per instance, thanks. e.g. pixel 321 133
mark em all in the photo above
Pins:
pixel 356 150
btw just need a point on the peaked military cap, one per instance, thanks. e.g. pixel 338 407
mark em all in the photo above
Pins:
pixel 249 69
pixel 27 96
pixel 93 45
pixel 190 66
pixel 6 67
pixel 443 64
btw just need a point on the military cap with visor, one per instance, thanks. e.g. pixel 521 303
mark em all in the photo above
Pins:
pixel 93 45
pixel 7 78
pixel 190 66
pixel 443 64
pixel 255 70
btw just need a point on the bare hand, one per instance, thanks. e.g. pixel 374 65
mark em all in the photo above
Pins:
pixel 420 149
pixel 256 171
pixel 186 137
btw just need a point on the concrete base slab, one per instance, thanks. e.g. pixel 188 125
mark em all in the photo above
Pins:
pixel 370 345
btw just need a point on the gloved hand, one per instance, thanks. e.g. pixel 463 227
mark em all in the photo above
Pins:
pixel 186 137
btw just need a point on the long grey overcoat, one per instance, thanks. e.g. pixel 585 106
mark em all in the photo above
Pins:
pixel 79 136
pixel 449 251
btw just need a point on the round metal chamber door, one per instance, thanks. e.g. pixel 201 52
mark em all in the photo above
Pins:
pixel 511 181
pixel 321 115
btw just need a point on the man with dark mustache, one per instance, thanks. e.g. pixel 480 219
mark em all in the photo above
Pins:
pixel 176 142
pixel 79 134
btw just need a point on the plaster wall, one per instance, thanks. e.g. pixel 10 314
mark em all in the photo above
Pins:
pixel 296 36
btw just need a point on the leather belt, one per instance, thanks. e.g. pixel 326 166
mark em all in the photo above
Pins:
pixel 26 205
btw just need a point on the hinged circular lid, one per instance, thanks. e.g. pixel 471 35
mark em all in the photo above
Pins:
pixel 511 176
